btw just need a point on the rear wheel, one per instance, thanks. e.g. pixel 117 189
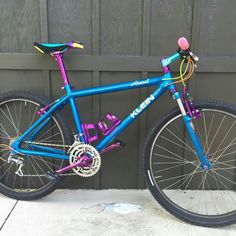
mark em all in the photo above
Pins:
pixel 173 172
pixel 18 111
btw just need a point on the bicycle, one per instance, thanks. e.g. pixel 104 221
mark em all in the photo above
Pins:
pixel 189 157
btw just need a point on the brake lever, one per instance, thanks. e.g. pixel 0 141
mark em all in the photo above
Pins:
pixel 194 57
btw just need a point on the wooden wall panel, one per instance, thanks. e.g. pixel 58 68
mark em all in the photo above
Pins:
pixel 214 86
pixel 120 27
pixel 23 80
pixel 169 21
pixel 20 25
pixel 217 32
pixel 70 20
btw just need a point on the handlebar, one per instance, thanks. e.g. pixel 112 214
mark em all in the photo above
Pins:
pixel 184 49
pixel 182 52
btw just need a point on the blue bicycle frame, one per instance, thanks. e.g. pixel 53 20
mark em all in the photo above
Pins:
pixel 163 84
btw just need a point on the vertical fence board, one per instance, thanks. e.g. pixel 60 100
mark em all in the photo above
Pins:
pixel 169 21
pixel 20 25
pixel 70 20
pixel 121 23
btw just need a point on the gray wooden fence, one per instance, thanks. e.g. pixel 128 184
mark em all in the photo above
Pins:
pixel 124 41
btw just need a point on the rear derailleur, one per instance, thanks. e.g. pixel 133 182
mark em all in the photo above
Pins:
pixel 19 161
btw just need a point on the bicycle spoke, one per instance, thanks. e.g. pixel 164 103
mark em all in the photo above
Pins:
pixel 225 137
pixel 205 129
pixel 223 151
pixel 170 152
pixel 169 140
pixel 215 135
pixel 169 157
pixel 208 133
pixel 36 171
pixel 168 168
pixel 9 120
pixel 45 133
pixel 13 113
pixel 232 144
pixel 190 149
pixel 43 140
pixel 176 170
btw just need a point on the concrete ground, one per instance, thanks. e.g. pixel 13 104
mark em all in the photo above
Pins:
pixel 95 212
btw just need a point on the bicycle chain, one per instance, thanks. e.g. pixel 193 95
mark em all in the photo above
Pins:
pixel 48 144
pixel 51 145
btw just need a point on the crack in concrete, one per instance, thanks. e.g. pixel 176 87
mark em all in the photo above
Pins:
pixel 8 215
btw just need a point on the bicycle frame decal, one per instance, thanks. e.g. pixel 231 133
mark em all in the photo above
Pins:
pixel 142 106
pixel 137 82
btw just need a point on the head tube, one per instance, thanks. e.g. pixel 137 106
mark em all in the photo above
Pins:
pixel 167 61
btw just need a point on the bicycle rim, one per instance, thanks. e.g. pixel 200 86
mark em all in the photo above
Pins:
pixel 16 116
pixel 175 168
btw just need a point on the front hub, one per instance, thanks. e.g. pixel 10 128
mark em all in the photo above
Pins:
pixel 205 164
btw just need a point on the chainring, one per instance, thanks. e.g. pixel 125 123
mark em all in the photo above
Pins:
pixel 76 151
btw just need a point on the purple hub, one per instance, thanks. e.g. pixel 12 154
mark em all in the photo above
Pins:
pixel 85 161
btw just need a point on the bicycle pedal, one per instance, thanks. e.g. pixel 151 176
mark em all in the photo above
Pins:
pixel 122 143
pixel 52 176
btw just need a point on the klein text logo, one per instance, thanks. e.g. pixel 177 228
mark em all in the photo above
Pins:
pixel 142 106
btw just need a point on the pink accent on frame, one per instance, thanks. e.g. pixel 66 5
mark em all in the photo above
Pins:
pixel 42 110
pixel 166 69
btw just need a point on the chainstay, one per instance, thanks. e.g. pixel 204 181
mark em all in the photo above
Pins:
pixel 51 145
pixel 68 174
pixel 48 144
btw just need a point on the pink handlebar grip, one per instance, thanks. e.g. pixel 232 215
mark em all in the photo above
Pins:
pixel 183 43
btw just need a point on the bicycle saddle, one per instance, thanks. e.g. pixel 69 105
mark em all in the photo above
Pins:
pixel 57 47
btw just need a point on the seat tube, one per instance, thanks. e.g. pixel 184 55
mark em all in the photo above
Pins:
pixel 77 119
pixel 67 87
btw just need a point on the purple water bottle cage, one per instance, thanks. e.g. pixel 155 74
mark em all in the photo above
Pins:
pixel 103 125
pixel 88 137
pixel 189 105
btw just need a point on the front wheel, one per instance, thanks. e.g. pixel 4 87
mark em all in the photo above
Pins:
pixel 173 173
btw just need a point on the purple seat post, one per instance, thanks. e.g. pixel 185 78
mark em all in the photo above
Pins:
pixel 59 60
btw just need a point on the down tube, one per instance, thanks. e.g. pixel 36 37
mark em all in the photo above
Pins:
pixel 132 116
